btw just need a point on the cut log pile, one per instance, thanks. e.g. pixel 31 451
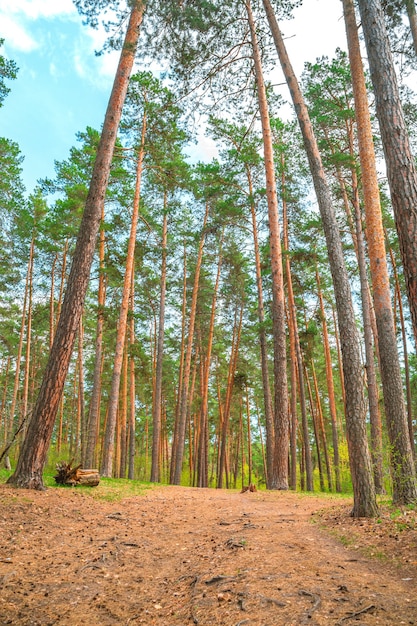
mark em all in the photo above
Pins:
pixel 68 475
pixel 250 487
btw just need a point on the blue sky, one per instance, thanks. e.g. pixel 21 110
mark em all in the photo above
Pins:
pixel 62 87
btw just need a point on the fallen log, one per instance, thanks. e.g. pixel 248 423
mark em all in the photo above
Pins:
pixel 68 475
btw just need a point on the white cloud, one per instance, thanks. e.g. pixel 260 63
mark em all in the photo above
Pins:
pixel 17 16
pixel 16 35
pixel 34 9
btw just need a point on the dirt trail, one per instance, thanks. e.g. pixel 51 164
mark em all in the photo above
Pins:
pixel 179 556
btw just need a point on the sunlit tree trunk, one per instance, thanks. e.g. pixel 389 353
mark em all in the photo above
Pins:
pixel 359 455
pixel 108 452
pixel 94 409
pixel 202 466
pixel 179 433
pixel 225 413
pixel 52 303
pixel 268 408
pixel 3 417
pixel 132 386
pixel 412 18
pixel 249 437
pixel 330 387
pixel 314 415
pixel 405 349
pixel 279 479
pixel 157 398
pixel 33 453
pixel 395 147
pixel 296 339
pixel 26 377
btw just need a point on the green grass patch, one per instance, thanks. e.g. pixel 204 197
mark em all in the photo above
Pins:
pixel 109 489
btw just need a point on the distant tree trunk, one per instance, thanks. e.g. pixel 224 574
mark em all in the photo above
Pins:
pixel 293 404
pixel 107 461
pixel 80 392
pixel 279 479
pixel 412 18
pixel 321 428
pixel 249 438
pixel 202 467
pixel 360 460
pixel 330 387
pixel 395 147
pixel 52 303
pixel 261 439
pixel 315 420
pixel 61 286
pixel 179 433
pixel 25 392
pixel 297 346
pixel 268 408
pixel 405 350
pixel 94 409
pixel 182 346
pixel 123 411
pixel 340 364
pixel 16 384
pixel 33 453
pixel 132 386
pixel 225 414
pixel 3 417
pixel 157 399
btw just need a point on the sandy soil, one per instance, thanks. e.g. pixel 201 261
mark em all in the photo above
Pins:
pixel 179 556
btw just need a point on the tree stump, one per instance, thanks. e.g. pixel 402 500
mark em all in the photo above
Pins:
pixel 68 475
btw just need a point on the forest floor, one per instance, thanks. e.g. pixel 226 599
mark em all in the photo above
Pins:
pixel 177 556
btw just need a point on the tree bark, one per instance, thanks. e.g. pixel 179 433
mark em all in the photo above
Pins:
pixel 202 463
pixel 360 460
pixel 94 409
pixel 157 396
pixel 181 422
pixel 402 463
pixel 33 453
pixel 269 420
pixel 107 461
pixel 279 479
pixel 330 387
pixel 294 327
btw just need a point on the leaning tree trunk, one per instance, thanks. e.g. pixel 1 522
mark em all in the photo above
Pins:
pixel 402 462
pixel 401 168
pixel 33 453
pixel 279 478
pixel 359 455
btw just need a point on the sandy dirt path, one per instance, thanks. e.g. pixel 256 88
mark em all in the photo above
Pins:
pixel 179 556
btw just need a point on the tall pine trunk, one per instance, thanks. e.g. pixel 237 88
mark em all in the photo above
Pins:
pixel 157 396
pixel 279 478
pixel 33 453
pixel 94 409
pixel 181 421
pixel 402 463
pixel 360 460
pixel 108 452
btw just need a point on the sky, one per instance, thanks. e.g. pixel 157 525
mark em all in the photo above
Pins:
pixel 62 87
